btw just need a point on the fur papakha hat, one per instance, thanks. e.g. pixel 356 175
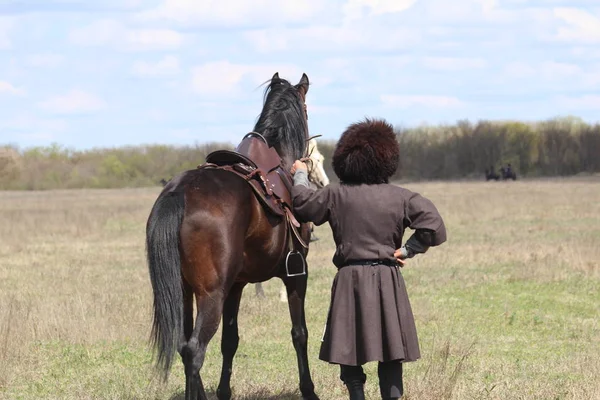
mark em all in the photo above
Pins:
pixel 367 152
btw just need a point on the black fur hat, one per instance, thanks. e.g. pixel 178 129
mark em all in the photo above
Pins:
pixel 367 152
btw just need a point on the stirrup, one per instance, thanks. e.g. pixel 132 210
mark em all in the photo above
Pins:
pixel 287 263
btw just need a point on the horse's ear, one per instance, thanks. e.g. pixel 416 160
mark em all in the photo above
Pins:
pixel 304 83
pixel 276 76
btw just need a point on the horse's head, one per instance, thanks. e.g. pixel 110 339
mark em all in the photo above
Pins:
pixel 283 119
pixel 316 171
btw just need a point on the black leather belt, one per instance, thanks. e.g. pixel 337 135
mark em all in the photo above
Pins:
pixel 389 263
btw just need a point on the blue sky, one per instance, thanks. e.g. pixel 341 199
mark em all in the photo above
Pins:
pixel 91 73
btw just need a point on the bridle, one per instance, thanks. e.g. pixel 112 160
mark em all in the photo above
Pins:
pixel 306 159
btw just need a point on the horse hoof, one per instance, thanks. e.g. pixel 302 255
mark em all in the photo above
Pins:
pixel 223 394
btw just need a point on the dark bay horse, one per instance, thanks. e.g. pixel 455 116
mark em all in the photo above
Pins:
pixel 207 236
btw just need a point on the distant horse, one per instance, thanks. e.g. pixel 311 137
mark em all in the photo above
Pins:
pixel 164 182
pixel 508 173
pixel 316 172
pixel 491 174
pixel 208 235
pixel 317 178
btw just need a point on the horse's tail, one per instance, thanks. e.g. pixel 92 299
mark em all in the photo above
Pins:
pixel 164 262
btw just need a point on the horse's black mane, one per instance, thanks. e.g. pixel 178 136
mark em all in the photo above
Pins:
pixel 282 121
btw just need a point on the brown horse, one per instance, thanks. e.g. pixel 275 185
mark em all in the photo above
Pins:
pixel 207 236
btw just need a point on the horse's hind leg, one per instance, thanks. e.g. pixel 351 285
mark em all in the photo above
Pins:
pixel 210 307
pixel 296 291
pixel 230 339
pixel 192 385
pixel 188 315
pixel 259 290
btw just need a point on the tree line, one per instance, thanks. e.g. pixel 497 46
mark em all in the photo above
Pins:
pixel 556 147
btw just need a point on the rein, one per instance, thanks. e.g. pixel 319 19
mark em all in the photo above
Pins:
pixel 306 159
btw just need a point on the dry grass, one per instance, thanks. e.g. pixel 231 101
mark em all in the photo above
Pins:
pixel 507 309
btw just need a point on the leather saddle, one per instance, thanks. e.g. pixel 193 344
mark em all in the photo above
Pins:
pixel 261 166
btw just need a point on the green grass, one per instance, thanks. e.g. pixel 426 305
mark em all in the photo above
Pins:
pixel 506 309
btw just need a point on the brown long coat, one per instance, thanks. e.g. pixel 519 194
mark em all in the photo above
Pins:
pixel 370 318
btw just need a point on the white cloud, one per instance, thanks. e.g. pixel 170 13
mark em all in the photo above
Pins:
pixel 109 32
pixel 518 69
pixel 232 12
pixel 549 70
pixel 592 78
pixel 582 25
pixel 354 9
pixel 168 65
pixel 6 87
pixel 85 6
pixel 222 78
pixel 6 25
pixel 447 21
pixel 45 60
pixel 486 16
pixel 488 5
pixel 588 52
pixel 453 64
pixel 129 4
pixel 74 102
pixel 406 101
pixel 503 43
pixel 587 102
pixel 264 41
pixel 462 11
pixel 98 33
pixel 554 70
pixel 331 70
pixel 154 39
pixel 558 75
pixel 350 71
pixel 30 127
pixel 367 36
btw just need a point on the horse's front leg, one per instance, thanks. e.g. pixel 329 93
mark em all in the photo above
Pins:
pixel 259 290
pixel 230 339
pixel 296 292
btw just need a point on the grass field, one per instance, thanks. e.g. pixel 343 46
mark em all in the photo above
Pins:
pixel 508 308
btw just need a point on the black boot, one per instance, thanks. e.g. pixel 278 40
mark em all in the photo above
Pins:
pixel 356 389
pixel 391 386
pixel 354 378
